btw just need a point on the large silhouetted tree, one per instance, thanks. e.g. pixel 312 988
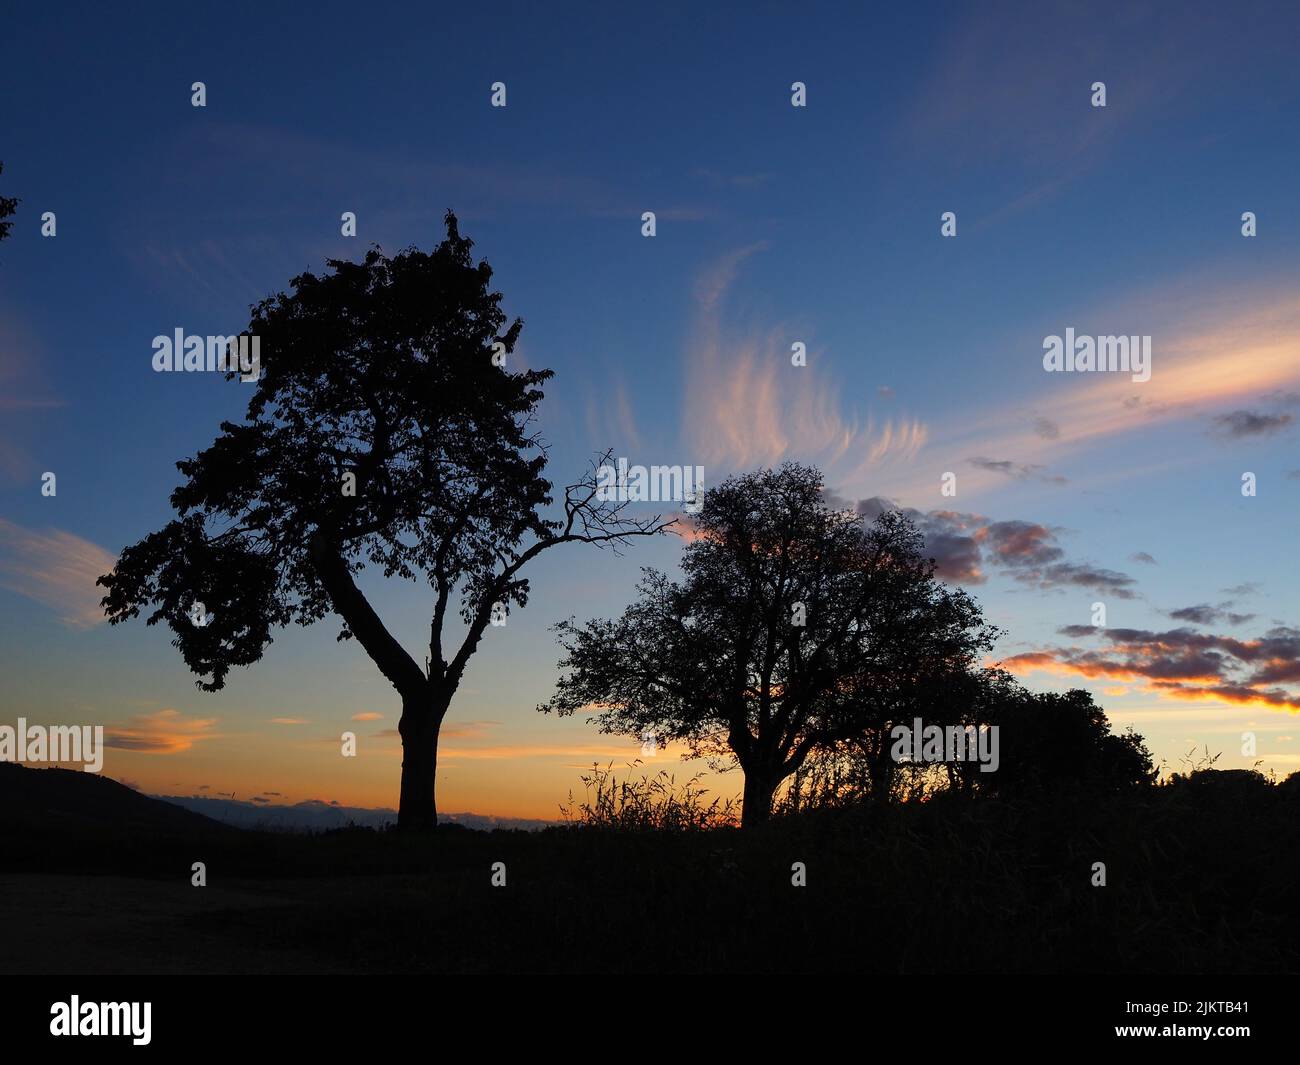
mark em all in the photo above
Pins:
pixel 8 205
pixel 385 429
pixel 795 627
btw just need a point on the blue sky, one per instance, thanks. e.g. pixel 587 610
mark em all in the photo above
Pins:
pixel 774 224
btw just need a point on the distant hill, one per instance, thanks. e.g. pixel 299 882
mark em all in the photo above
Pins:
pixel 310 816
pixel 75 802
pixel 315 815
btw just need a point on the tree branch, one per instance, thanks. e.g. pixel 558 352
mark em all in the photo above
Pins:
pixel 361 619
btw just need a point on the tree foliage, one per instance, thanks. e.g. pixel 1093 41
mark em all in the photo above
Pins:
pixel 1051 740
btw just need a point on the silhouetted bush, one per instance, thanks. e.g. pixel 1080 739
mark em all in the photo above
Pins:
pixel 653 803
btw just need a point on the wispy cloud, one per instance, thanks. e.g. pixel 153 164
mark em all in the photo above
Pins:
pixel 1018 470
pixel 22 388
pixel 1046 428
pixel 1239 424
pixel 468 730
pixel 747 405
pixel 324 174
pixel 1215 351
pixel 1047 134
pixel 722 180
pixel 55 568
pixel 624 752
pixel 611 421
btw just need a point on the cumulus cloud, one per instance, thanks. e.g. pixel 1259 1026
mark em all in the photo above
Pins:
pixel 1023 543
pixel 963 545
pixel 1205 614
pixel 1082 575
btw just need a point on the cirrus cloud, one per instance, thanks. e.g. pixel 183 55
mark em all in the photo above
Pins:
pixel 746 405
pixel 56 569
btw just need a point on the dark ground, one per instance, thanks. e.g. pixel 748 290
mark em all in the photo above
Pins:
pixel 1201 878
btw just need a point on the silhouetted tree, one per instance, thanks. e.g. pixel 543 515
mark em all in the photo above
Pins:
pixel 863 769
pixel 794 627
pixel 380 371
pixel 1047 741
pixel 1224 787
pixel 8 205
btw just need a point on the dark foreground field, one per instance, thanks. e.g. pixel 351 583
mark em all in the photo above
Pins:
pixel 1202 877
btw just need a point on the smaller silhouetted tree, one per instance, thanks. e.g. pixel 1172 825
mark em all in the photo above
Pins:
pixel 795 627
pixel 1049 740
pixel 1046 742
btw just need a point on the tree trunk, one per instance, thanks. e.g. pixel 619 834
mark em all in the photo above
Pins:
pixel 881 766
pixel 419 727
pixel 756 805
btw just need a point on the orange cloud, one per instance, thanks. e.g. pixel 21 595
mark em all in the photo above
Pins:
pixel 1182 664
pixel 164 732
pixel 625 751
pixel 685 528
pixel 467 730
